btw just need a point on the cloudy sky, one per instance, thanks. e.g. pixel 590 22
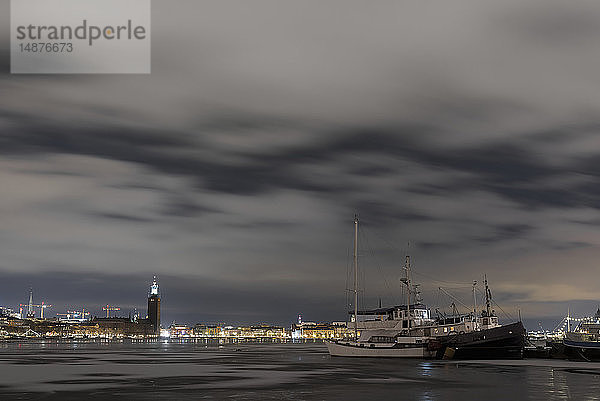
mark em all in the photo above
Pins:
pixel 233 171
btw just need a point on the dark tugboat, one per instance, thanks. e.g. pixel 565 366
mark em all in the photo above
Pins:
pixel 501 342
pixel 583 343
pixel 490 341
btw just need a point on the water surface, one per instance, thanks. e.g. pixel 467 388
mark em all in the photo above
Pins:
pixel 197 370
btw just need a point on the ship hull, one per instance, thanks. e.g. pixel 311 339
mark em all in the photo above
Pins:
pixel 353 349
pixel 582 350
pixel 503 342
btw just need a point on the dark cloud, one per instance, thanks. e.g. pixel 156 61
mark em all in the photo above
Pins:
pixel 504 232
pixel 159 150
pixel 186 208
pixel 505 168
pixel 122 217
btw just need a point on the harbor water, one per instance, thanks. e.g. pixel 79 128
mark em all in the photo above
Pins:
pixel 175 370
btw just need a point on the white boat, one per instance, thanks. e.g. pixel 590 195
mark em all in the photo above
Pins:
pixel 392 347
pixel 399 333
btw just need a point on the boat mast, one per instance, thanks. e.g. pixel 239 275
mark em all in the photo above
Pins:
pixel 355 276
pixel 488 295
pixel 474 302
pixel 407 267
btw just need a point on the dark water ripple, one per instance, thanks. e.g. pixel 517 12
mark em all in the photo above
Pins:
pixel 175 371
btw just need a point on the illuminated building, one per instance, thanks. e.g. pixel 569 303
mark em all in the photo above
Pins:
pixel 178 330
pixel 154 307
pixel 210 330
pixel 311 330
pixel 123 327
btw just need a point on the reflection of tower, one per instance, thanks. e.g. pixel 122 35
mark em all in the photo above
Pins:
pixel 154 307
pixel 30 311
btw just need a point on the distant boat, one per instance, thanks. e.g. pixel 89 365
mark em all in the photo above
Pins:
pixel 409 331
pixel 583 343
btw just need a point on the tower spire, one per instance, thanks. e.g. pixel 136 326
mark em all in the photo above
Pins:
pixel 355 276
pixel 154 287
pixel 30 311
pixel 154 307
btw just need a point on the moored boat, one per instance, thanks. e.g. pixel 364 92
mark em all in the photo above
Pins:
pixel 489 339
pixel 409 331
pixel 385 347
pixel 501 342
pixel 393 334
pixel 583 343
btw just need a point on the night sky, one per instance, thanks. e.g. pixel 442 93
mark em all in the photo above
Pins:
pixel 468 129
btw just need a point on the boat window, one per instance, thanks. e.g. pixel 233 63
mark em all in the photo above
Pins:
pixel 382 339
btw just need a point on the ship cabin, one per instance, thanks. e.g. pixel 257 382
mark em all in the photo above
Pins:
pixel 449 325
pixel 590 325
pixel 372 315
pixel 588 331
pixel 589 328
pixel 413 316
pixel 487 322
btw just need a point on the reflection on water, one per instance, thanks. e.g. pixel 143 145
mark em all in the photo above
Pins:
pixel 290 371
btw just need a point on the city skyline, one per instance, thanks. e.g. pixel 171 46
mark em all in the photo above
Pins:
pixel 234 170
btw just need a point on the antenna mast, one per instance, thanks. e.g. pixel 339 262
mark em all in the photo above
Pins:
pixel 356 276
pixel 488 295
pixel 474 301
pixel 407 282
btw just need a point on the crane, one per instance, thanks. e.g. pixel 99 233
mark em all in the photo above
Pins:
pixel 108 308
pixel 42 307
pixel 31 311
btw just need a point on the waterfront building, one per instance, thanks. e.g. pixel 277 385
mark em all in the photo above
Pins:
pixel 180 331
pixel 154 307
pixel 266 331
pixel 207 330
pixel 123 327
pixel 311 330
